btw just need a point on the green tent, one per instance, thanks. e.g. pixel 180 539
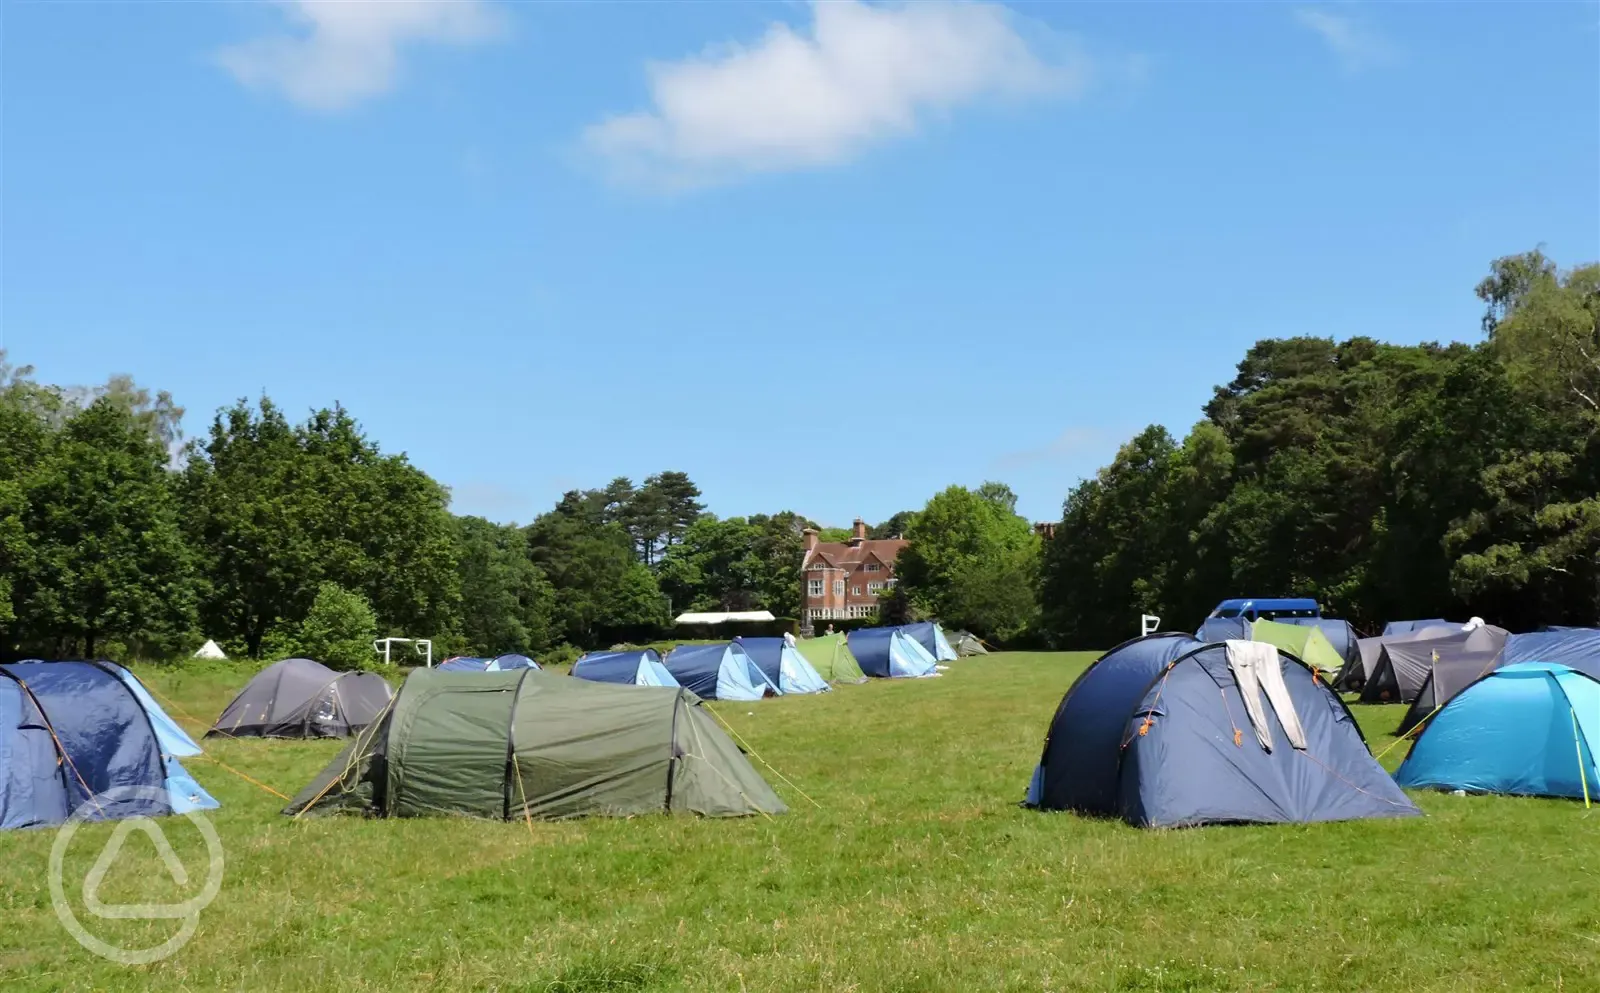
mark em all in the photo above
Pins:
pixel 1308 644
pixel 830 656
pixel 525 743
pixel 966 643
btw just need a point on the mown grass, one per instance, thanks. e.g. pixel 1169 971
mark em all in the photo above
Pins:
pixel 916 872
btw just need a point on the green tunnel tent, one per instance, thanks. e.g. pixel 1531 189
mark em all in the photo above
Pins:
pixel 830 656
pixel 509 745
pixel 1308 644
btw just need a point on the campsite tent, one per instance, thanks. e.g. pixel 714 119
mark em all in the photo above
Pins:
pixel 634 667
pixel 1356 674
pixel 931 637
pixel 210 650
pixel 1447 676
pixel 1406 627
pixel 1575 647
pixel 719 672
pixel 1308 644
pixel 1340 634
pixel 890 652
pixel 1156 732
pixel 1531 729
pixel 500 663
pixel 299 698
pixel 1403 664
pixel 966 643
pixel 830 656
pixel 1214 629
pixel 529 744
pixel 784 666
pixel 72 731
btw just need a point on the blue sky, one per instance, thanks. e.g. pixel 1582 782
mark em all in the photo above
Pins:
pixel 536 246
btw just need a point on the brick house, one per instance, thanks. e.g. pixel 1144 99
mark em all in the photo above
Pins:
pixel 843 579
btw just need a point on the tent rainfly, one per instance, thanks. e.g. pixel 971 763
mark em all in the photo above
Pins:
pixel 966 643
pixel 1308 644
pixel 300 698
pixel 931 637
pixel 890 652
pixel 530 744
pixel 830 656
pixel 633 667
pixel 1403 665
pixel 500 663
pixel 784 666
pixel 719 672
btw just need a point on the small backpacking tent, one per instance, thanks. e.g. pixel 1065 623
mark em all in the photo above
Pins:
pixel 830 656
pixel 1403 664
pixel 72 731
pixel 300 698
pixel 530 744
pixel 210 650
pixel 784 666
pixel 931 637
pixel 719 672
pixel 966 643
pixel 890 652
pixel 1531 729
pixel 633 667
pixel 1308 644
pixel 500 663
pixel 1158 732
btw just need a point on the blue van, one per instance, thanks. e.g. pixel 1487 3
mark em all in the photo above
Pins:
pixel 1267 608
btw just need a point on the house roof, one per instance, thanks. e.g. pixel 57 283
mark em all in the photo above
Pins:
pixel 841 554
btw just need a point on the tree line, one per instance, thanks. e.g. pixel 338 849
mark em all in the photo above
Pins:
pixel 1387 481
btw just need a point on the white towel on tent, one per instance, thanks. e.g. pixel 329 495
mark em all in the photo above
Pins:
pixel 1257 668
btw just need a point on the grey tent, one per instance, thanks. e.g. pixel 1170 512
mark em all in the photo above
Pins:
pixel 300 698
pixel 966 643
pixel 1448 675
pixel 1357 671
pixel 1404 664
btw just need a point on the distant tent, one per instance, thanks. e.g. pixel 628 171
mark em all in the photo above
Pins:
pixel 887 652
pixel 529 744
pixel 830 656
pixel 719 672
pixel 1403 665
pixel 210 650
pixel 634 667
pixel 1575 647
pixel 1530 729
pixel 72 731
pixel 1156 732
pixel 1214 629
pixel 500 663
pixel 1448 675
pixel 931 637
pixel 1356 674
pixel 966 643
pixel 299 698
pixel 1340 634
pixel 784 666
pixel 1308 644
pixel 1406 627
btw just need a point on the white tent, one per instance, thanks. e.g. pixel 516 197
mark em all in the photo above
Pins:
pixel 209 650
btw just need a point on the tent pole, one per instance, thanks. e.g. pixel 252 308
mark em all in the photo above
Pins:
pixel 1577 742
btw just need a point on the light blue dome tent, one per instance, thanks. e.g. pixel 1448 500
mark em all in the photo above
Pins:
pixel 890 652
pixel 500 663
pixel 72 731
pixel 636 667
pixel 719 672
pixel 783 665
pixel 931 637
pixel 1162 733
pixel 1529 729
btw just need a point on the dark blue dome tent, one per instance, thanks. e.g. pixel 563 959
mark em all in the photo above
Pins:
pixel 500 663
pixel 931 637
pixel 635 667
pixel 72 731
pixel 784 666
pixel 719 672
pixel 890 652
pixel 1159 733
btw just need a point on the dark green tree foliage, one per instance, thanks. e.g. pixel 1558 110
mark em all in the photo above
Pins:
pixel 339 630
pixel 1387 481
pixel 506 602
pixel 973 562
pixel 589 558
pixel 894 527
pixel 737 564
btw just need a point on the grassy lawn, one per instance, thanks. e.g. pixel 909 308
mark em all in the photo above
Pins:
pixel 917 872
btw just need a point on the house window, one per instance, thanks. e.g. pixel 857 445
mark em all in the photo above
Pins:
pixel 872 567
pixel 838 587
pixel 874 588
pixel 818 567
pixel 813 587
pixel 855 591
pixel 890 583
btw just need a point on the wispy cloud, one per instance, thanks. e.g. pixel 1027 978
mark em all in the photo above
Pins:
pixel 1072 441
pixel 1356 44
pixel 339 53
pixel 857 75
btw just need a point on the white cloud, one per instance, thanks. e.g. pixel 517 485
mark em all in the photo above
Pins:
pixel 859 74
pixel 342 52
pixel 1355 44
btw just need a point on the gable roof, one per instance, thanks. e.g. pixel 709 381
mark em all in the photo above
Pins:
pixel 839 553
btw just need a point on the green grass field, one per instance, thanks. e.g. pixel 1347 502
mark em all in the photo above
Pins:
pixel 917 871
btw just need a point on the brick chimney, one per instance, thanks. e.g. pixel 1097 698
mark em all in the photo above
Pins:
pixel 811 539
pixel 860 533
